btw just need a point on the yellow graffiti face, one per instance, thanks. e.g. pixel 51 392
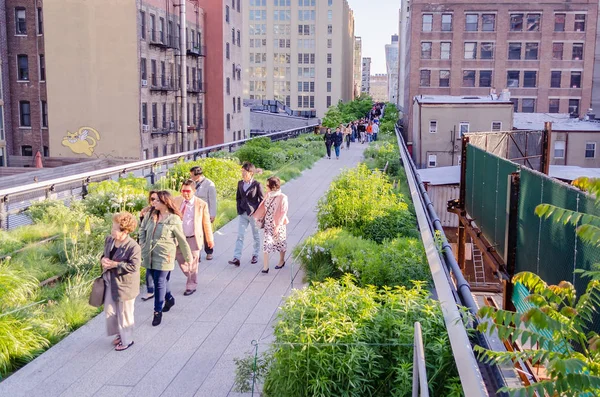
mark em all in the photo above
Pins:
pixel 81 141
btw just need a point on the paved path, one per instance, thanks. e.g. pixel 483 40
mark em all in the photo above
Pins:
pixel 191 353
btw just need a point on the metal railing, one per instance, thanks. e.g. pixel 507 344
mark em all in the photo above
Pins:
pixel 15 200
pixel 419 368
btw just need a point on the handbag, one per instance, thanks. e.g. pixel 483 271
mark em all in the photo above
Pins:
pixel 97 295
pixel 261 222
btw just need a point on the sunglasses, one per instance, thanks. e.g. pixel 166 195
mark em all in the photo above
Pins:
pixel 155 199
pixel 186 191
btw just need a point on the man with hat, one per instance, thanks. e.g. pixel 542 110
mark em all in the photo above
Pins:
pixel 205 190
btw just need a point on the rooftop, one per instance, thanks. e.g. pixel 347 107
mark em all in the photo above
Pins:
pixel 451 99
pixel 560 122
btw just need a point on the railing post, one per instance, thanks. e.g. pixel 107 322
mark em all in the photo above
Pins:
pixel 546 138
pixel 3 213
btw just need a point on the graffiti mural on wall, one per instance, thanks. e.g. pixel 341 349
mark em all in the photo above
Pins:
pixel 82 141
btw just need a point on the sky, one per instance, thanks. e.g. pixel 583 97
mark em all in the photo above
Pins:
pixel 375 21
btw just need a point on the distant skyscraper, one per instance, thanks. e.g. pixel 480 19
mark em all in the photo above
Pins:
pixel 379 88
pixel 391 61
pixel 366 75
pixel 357 65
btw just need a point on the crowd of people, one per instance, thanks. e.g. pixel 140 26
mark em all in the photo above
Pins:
pixel 363 131
pixel 178 229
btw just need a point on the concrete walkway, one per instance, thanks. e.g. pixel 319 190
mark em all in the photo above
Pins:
pixel 191 353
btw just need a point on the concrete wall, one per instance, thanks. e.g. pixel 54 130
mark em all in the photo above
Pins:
pixel 575 143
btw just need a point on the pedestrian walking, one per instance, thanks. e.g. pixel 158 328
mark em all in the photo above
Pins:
pixel 370 132
pixel 338 139
pixel 328 138
pixel 249 195
pixel 149 281
pixel 348 135
pixel 375 131
pixel 121 274
pixel 362 131
pixel 207 192
pixel 197 229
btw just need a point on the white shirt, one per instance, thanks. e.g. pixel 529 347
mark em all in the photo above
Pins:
pixel 188 217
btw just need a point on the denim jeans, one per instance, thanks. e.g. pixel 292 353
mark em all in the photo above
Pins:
pixel 149 282
pixel 161 286
pixel 375 136
pixel 244 221
pixel 337 151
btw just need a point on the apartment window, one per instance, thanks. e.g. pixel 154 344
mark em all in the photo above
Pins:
pixel 228 85
pixel 228 120
pixel 553 105
pixel 496 126
pixel 329 43
pixel 22 68
pixel 574 106
pixel 152 28
pixel 227 50
pixel 20 21
pixel 533 22
pixel 24 114
pixel 329 59
pixel 516 22
pixel 528 105
pixel 463 127
pixel 488 22
pixel 446 22
pixel 143 71
pixel 577 51
pixel 144 113
pixel 328 73
pixel 329 29
pixel 432 161
pixel 239 104
pixel 26 150
pixel 471 22
pixel 486 51
pixel 559 22
pixel 444 78
pixel 557 51
pixel 329 15
pixel 143 25
pixel 512 78
pixel 40 21
pixel 44 106
pixel 432 126
pixel 42 68
pixel 468 78
pixel 161 31
pixel 227 14
pixel 426 50
pixel 515 102
pixel 239 39
pixel 445 50
pixel 514 50
pixel 531 51
pixel 590 150
pixel 425 78
pixel 155 116
pixel 485 78
pixel 555 79
pixel 559 149
pixel 575 80
pixel 328 101
pixel 427 25
pixel 470 50
pixel 529 79
pixel 579 22
pixel 329 86
pixel 153 71
pixel 163 74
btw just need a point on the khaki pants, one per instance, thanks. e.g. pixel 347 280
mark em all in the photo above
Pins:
pixel 119 316
pixel 191 271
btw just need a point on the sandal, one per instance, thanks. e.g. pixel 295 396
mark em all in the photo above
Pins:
pixel 116 341
pixel 120 347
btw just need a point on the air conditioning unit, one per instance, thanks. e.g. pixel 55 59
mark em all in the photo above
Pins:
pixel 144 83
pixel 145 128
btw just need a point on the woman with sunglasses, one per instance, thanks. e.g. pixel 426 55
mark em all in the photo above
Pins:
pixel 145 211
pixel 160 237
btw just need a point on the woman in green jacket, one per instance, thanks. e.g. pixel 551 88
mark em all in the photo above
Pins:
pixel 160 236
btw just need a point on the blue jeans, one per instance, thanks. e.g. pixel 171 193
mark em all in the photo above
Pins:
pixel 149 282
pixel 244 221
pixel 337 151
pixel 161 285
pixel 374 136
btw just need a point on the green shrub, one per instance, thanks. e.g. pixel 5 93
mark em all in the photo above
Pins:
pixel 227 210
pixel 109 197
pixel 19 342
pixel 384 153
pixel 263 142
pixel 19 237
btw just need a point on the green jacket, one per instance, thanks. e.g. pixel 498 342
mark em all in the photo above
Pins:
pixel 160 240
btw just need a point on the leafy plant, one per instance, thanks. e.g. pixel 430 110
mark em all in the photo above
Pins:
pixel 125 194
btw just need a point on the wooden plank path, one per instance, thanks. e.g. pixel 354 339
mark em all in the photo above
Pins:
pixel 191 353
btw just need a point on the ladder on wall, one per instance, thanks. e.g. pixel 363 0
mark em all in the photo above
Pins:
pixel 478 266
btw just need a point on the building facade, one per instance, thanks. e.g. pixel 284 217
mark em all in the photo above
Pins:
pixel 5 118
pixel 299 52
pixel 379 87
pixel 366 75
pixel 391 61
pixel 542 52
pixel 357 66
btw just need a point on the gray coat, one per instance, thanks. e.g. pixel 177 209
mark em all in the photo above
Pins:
pixel 125 278
pixel 207 191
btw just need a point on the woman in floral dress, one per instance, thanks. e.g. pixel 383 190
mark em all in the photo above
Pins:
pixel 272 211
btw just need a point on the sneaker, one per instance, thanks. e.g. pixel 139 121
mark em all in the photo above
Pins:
pixel 254 259
pixel 235 262
pixel 157 319
pixel 209 257
pixel 169 303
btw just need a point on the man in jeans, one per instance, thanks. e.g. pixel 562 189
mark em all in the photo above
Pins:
pixel 248 196
pixel 205 190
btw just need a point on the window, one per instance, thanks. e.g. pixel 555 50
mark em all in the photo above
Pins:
pixel 555 79
pixel 24 114
pixel 144 113
pixel 425 80
pixel 40 21
pixel 20 21
pixel 328 73
pixel 516 22
pixel 227 14
pixel 575 80
pixel 152 28
pixel 161 31
pixel 432 126
pixel 44 120
pixel 26 150
pixel 512 78
pixel 426 50
pixel 328 101
pixel 143 71
pixel 496 126
pixel 463 127
pixel 239 104
pixel 514 50
pixel 487 51
pixel 446 22
pixel 515 102
pixel 444 78
pixel 22 68
pixel 329 29
pixel 488 22
pixel 468 78
pixel 531 51
pixel 329 86
pixel 227 50
pixel 529 79
pixel 557 51
pixel 470 50
pixel 228 120
pixel 228 85
pixel 579 22
pixel 559 149
pixel 143 25
pixel 432 160
pixel 329 15
pixel 153 71
pixel 471 22
pixel 163 75
pixel 559 22
pixel 427 23
pixel 329 59
pixel 239 39
pixel 590 150
pixel 553 105
pixel 445 50
pixel 533 22
pixel 42 68
pixel 155 116
pixel 574 106
pixel 577 51
pixel 528 105
pixel 485 78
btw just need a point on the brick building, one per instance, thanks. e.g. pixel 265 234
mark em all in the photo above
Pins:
pixel 5 113
pixel 543 52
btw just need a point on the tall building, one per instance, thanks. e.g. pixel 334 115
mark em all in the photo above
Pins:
pixel 391 61
pixel 299 52
pixel 224 32
pixel 5 119
pixel 366 75
pixel 379 87
pixel 403 50
pixel 357 65
pixel 542 52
